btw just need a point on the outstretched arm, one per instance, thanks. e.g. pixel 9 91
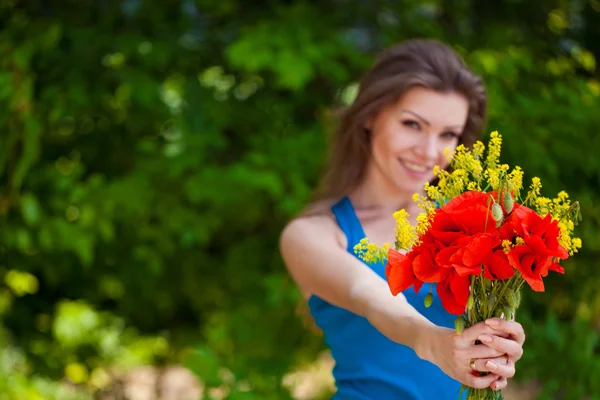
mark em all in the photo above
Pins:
pixel 317 260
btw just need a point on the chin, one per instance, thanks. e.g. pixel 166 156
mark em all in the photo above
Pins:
pixel 404 187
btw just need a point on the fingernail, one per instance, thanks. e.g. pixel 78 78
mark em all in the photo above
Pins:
pixel 485 338
pixel 492 322
pixel 491 365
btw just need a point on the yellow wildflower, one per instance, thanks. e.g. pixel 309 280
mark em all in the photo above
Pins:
pixel 433 192
pixel 405 232
pixel 478 149
pixel 494 149
pixel 534 190
pixel 542 205
pixel 563 196
pixel 515 179
pixel 424 222
pixel 370 252
pixel 493 176
pixel 536 185
pixel 576 245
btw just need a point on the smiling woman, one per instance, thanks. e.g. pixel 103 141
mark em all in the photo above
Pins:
pixel 418 100
pixel 409 137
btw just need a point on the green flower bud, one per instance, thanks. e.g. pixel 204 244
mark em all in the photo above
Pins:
pixel 508 203
pixel 459 325
pixel 491 301
pixel 498 313
pixel 512 298
pixel 428 299
pixel 470 302
pixel 497 212
pixel 508 313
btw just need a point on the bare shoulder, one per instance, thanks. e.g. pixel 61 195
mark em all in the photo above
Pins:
pixel 314 251
pixel 304 230
pixel 309 245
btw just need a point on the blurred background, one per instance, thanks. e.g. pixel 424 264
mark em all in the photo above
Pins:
pixel 151 152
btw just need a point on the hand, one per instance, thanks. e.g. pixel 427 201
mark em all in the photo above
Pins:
pixel 453 353
pixel 508 339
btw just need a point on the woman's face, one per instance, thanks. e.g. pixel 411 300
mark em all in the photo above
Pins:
pixel 409 137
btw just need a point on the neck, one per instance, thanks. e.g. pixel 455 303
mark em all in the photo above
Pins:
pixel 378 193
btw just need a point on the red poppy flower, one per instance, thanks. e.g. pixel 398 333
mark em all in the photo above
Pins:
pixel 467 199
pixel 541 234
pixel 454 292
pixel 399 272
pixel 532 265
pixel 497 266
pixel 425 267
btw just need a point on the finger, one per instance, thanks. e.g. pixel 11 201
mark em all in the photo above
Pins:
pixel 500 384
pixel 481 351
pixel 512 328
pixel 506 371
pixel 470 335
pixel 480 382
pixel 502 360
pixel 505 346
pixel 480 363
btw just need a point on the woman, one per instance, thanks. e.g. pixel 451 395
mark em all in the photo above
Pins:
pixel 417 100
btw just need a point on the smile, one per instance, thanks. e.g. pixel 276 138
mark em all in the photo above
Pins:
pixel 419 168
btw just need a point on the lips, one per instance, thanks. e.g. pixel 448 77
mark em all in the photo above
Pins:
pixel 416 167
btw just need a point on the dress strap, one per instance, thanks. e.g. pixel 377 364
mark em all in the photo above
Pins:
pixel 348 221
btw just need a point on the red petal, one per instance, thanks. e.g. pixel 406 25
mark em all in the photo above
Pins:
pixel 417 285
pixel 480 248
pixel 498 267
pixel 472 220
pixel 399 272
pixel 557 267
pixel 426 270
pixel 448 299
pixel 444 256
pixel 465 200
pixel 460 287
pixel 522 259
pixel 461 270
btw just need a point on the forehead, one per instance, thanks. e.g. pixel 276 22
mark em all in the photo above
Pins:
pixel 438 108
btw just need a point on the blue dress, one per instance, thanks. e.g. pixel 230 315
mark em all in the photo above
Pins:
pixel 369 366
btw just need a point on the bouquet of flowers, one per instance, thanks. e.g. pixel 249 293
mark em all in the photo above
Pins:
pixel 479 240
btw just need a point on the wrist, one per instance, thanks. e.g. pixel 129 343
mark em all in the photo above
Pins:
pixel 427 340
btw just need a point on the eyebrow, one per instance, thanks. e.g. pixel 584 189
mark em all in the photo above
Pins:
pixel 427 122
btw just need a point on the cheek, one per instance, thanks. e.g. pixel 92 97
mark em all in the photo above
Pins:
pixel 383 144
pixel 445 149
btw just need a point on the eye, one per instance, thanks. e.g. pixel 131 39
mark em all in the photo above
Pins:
pixel 412 124
pixel 450 135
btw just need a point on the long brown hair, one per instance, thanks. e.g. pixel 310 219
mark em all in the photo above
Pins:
pixel 418 62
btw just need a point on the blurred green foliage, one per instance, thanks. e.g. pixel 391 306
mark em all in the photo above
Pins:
pixel 151 152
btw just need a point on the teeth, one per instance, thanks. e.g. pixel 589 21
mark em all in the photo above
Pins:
pixel 415 167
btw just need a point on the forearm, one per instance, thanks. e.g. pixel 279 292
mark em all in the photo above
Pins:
pixel 395 318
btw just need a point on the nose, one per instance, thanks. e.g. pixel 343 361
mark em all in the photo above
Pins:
pixel 428 147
